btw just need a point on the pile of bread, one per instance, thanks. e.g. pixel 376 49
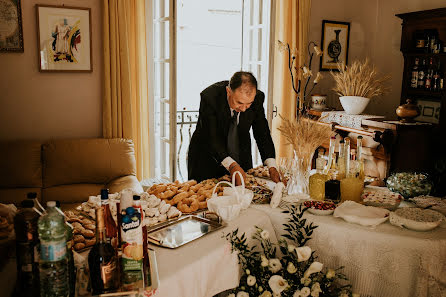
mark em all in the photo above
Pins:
pixel 83 230
pixel 260 171
pixel 189 196
pixel 155 210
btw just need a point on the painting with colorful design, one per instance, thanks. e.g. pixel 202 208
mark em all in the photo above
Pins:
pixel 64 38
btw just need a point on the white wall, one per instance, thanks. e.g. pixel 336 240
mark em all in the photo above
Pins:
pixel 375 32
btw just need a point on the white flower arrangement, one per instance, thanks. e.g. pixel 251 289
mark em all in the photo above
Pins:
pixel 287 268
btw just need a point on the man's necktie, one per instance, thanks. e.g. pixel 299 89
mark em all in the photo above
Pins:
pixel 233 141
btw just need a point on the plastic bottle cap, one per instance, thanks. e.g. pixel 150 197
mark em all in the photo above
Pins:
pixel 104 194
pixel 31 195
pixel 136 197
pixel 51 204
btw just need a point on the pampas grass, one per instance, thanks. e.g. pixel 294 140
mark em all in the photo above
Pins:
pixel 360 79
pixel 305 136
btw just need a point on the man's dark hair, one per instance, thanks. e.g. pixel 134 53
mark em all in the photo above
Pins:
pixel 242 77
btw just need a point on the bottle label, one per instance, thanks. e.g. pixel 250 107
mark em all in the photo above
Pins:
pixel 53 250
pixel 108 272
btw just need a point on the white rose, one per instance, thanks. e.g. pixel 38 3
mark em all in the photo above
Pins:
pixel 303 253
pixel 305 281
pixel 265 261
pixel 242 294
pixel 291 268
pixel 264 234
pixel 297 294
pixel 315 290
pixel 315 267
pixel 274 265
pixel 331 273
pixel 291 248
pixel 266 294
pixel 305 292
pixel 251 280
pixel 277 284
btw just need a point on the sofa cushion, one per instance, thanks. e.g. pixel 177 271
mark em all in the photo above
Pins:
pixel 20 164
pixel 124 182
pixel 16 195
pixel 75 193
pixel 96 161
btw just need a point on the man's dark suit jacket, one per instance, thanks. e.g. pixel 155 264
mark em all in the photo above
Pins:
pixel 209 141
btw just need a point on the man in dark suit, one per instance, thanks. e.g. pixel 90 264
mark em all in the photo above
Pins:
pixel 221 142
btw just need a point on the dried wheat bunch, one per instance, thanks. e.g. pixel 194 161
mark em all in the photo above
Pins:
pixel 360 79
pixel 305 136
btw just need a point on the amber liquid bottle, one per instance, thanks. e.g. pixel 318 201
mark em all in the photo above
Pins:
pixel 332 185
pixel 111 230
pixel 102 259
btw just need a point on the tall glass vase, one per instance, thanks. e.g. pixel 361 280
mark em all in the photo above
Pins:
pixel 298 183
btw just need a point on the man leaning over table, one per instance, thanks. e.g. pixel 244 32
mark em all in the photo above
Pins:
pixel 221 142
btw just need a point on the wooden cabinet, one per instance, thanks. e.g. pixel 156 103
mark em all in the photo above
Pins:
pixel 416 27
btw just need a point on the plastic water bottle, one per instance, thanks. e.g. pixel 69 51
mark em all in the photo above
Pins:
pixel 53 254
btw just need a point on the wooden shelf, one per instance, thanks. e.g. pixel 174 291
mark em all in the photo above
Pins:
pixel 418 93
pixel 421 54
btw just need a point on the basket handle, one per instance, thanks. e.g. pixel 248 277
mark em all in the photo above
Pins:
pixel 241 178
pixel 227 183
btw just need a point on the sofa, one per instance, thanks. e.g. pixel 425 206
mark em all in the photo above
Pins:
pixel 67 170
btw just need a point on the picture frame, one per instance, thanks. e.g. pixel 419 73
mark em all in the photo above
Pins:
pixel 11 31
pixel 429 111
pixel 64 38
pixel 334 44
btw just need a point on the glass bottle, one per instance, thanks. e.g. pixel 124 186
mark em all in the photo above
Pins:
pixel 110 224
pixel 331 150
pixel 341 160
pixel 318 179
pixel 360 158
pixel 102 260
pixel 332 185
pixel 351 186
pixel 414 79
pixel 422 74
pixel 436 78
pixel 429 75
pixel 27 240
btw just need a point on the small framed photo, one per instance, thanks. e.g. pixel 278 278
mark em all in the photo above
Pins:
pixel 64 38
pixel 429 111
pixel 11 34
pixel 334 42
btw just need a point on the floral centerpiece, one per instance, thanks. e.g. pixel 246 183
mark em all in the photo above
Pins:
pixel 288 268
pixel 357 84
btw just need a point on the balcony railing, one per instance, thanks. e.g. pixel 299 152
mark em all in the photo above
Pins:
pixel 186 123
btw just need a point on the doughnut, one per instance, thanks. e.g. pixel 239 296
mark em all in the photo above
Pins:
pixel 196 188
pixel 78 238
pixel 90 242
pixel 152 212
pixel 201 198
pixel 162 218
pixel 191 182
pixel 87 233
pixel 153 201
pixel 188 205
pixel 203 204
pixel 159 189
pixel 90 227
pixel 163 207
pixel 79 246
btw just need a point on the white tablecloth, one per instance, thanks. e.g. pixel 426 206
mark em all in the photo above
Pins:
pixel 206 266
pixel 385 261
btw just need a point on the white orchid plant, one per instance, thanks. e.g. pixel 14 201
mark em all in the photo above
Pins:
pixel 304 73
pixel 287 268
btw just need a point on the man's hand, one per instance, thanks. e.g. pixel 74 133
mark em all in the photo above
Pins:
pixel 236 167
pixel 275 176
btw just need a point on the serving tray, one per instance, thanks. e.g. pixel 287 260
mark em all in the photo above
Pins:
pixel 176 233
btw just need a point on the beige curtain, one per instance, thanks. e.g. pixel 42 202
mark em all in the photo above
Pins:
pixel 125 102
pixel 292 19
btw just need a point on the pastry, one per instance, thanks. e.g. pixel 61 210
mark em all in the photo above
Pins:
pixel 79 246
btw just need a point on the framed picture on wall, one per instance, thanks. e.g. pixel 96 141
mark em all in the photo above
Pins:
pixel 64 38
pixel 11 34
pixel 334 43
pixel 429 111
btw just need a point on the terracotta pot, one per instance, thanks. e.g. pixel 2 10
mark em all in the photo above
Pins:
pixel 407 112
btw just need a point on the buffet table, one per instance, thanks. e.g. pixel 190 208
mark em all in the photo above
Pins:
pixel 206 266
pixel 384 261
